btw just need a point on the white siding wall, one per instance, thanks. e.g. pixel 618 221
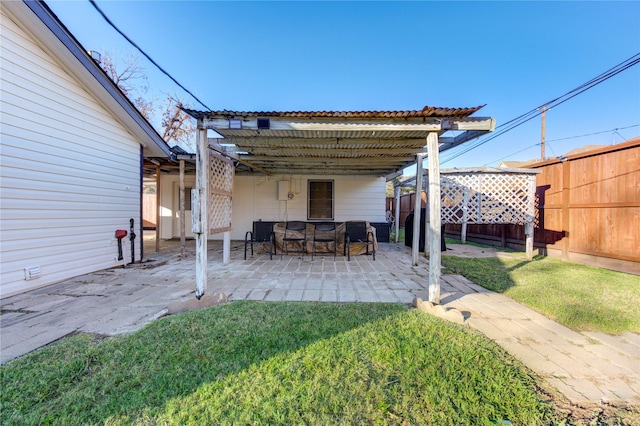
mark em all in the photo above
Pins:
pixel 170 207
pixel 356 198
pixel 70 173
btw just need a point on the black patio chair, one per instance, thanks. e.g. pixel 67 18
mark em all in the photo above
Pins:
pixel 325 232
pixel 294 232
pixel 262 234
pixel 356 231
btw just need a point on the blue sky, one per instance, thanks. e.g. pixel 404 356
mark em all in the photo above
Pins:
pixel 287 56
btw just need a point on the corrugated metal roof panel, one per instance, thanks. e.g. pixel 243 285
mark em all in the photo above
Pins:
pixel 334 142
pixel 427 111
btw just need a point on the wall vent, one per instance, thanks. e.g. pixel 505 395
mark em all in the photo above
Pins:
pixel 32 273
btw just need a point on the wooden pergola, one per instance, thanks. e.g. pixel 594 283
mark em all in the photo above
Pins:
pixel 373 143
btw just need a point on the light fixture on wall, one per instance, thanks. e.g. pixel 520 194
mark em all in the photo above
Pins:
pixel 235 124
pixel 447 124
pixel 263 123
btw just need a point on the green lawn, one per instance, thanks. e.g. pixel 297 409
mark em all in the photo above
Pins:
pixel 581 297
pixel 276 363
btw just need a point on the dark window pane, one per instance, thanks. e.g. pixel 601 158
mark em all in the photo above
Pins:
pixel 320 200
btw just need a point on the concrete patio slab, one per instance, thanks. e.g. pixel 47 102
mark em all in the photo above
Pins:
pixel 585 367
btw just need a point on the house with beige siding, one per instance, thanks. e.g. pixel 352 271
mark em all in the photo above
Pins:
pixel 71 153
pixel 261 197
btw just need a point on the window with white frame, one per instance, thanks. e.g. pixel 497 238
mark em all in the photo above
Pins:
pixel 320 200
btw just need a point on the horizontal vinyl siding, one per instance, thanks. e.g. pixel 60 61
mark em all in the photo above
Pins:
pixel 356 198
pixel 70 173
pixel 361 198
pixel 170 206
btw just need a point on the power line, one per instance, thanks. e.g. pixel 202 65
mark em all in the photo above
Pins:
pixel 93 3
pixel 595 133
pixel 513 153
pixel 614 131
pixel 518 121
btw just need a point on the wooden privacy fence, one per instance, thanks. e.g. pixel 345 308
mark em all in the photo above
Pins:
pixel 587 209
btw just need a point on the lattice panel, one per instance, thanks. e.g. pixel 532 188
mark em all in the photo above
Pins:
pixel 221 172
pixel 488 198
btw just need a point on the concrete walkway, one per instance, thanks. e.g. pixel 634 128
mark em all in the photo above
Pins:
pixel 585 367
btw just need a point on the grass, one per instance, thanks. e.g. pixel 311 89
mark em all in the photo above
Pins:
pixel 276 363
pixel 581 297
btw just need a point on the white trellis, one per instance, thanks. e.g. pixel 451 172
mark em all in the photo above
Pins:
pixel 490 196
pixel 221 171
pixel 487 195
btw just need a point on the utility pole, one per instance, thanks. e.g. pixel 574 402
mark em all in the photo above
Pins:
pixel 544 126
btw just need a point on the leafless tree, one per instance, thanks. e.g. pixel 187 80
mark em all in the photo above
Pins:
pixel 131 80
pixel 176 127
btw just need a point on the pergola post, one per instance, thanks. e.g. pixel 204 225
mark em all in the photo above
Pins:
pixel 415 245
pixel 226 247
pixel 528 234
pixel 434 218
pixel 201 218
pixel 157 208
pixel 182 218
pixel 465 216
pixel 427 220
pixel 397 194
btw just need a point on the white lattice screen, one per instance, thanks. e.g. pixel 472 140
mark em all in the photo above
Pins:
pixel 488 198
pixel 221 172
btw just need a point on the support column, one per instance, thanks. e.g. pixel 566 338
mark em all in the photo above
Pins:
pixel 397 194
pixel 415 245
pixel 427 220
pixel 182 218
pixel 434 218
pixel 528 234
pixel 201 222
pixel 157 208
pixel 226 247
pixel 465 216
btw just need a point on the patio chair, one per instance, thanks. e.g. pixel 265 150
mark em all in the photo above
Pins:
pixel 294 232
pixel 325 232
pixel 356 231
pixel 262 234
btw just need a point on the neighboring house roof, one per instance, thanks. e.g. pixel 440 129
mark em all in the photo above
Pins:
pixel 56 38
pixel 516 164
pixel 374 143
pixel 584 149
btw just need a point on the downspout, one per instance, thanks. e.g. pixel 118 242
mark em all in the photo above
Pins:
pixel 140 232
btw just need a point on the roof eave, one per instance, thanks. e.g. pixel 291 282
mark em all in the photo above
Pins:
pixel 42 22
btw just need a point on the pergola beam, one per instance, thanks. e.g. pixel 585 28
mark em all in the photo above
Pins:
pixel 325 142
pixel 329 151
pixel 331 161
